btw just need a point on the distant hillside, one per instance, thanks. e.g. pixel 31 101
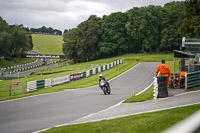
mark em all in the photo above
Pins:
pixel 47 44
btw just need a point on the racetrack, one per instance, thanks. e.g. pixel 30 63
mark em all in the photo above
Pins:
pixel 47 110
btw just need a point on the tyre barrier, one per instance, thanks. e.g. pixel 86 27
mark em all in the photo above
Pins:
pixel 162 86
pixel 155 89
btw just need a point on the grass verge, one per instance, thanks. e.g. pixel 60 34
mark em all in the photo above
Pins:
pixel 147 95
pixel 155 122
pixel 17 61
pixel 129 61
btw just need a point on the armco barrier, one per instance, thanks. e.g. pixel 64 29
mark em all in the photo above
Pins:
pixel 192 79
pixel 31 86
pixel 91 72
pixel 88 73
pixel 84 74
pixel 60 80
pixel 39 84
pixel 47 83
pixel 99 69
pixel 76 76
pixel 94 70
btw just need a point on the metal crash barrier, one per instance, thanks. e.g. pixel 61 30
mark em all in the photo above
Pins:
pixel 192 79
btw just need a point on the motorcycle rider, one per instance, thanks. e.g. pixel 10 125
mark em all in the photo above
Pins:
pixel 103 78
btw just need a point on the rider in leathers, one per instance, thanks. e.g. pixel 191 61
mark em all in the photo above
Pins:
pixel 103 78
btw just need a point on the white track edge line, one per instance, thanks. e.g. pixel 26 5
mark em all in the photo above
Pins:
pixel 64 90
pixel 119 116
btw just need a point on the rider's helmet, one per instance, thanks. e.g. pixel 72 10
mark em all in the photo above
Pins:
pixel 100 75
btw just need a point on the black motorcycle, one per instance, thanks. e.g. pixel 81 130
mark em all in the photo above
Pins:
pixel 104 87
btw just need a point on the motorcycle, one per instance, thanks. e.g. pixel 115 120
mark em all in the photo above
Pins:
pixel 104 87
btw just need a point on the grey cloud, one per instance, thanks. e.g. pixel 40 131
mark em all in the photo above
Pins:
pixel 64 14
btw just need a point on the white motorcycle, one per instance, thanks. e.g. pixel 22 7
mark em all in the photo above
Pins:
pixel 104 87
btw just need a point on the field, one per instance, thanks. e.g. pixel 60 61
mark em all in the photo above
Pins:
pixel 47 44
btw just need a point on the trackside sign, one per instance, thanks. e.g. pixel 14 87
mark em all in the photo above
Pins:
pixel 60 80
pixel 39 56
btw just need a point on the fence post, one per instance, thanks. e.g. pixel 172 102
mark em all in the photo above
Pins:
pixel 186 81
pixel 23 87
pixel 10 89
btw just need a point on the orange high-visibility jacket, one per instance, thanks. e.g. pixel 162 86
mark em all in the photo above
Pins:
pixel 164 70
pixel 182 75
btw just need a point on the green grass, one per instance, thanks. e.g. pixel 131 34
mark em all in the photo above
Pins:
pixel 47 44
pixel 147 95
pixel 17 61
pixel 155 122
pixel 129 61
pixel 193 89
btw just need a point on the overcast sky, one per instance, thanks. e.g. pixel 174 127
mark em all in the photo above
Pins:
pixel 64 14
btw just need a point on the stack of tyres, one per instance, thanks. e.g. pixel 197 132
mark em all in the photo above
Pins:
pixel 162 86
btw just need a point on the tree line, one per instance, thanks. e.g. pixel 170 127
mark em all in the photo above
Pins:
pixel 144 29
pixel 14 39
pixel 46 30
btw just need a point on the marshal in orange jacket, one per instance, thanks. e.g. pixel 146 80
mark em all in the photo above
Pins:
pixel 164 71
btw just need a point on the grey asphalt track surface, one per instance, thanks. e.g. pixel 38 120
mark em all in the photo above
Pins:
pixel 43 111
pixel 125 109
pixel 28 72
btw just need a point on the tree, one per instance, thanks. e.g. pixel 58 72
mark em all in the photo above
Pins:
pixel 5 44
pixel 114 40
pixel 172 19
pixel 3 25
pixel 81 43
pixel 69 46
pixel 134 28
pixel 20 43
pixel 44 29
pixel 191 23
pixel 89 33
pixel 151 27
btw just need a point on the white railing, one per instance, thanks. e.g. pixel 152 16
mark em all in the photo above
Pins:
pixel 189 125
